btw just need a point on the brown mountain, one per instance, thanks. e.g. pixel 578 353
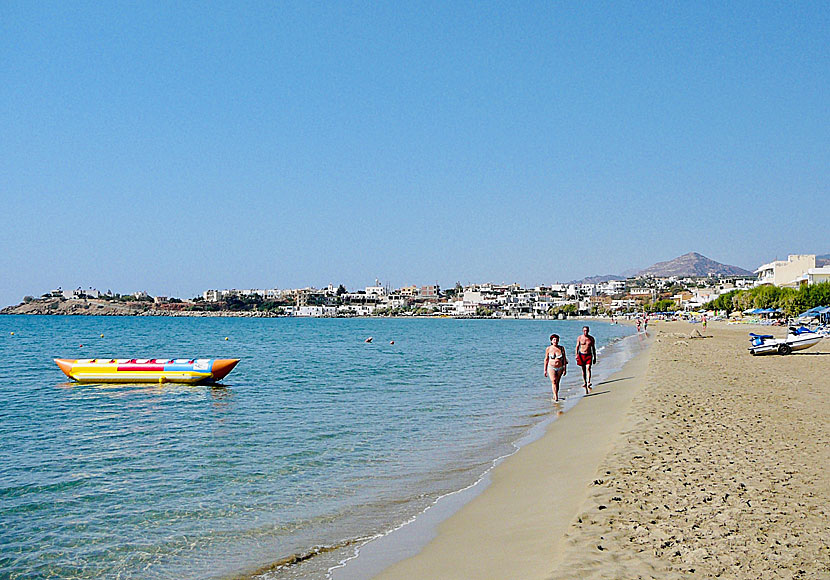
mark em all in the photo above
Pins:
pixel 693 264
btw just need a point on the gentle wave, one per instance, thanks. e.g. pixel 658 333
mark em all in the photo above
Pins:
pixel 316 439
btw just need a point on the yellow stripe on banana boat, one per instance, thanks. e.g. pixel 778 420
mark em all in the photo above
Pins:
pixel 156 370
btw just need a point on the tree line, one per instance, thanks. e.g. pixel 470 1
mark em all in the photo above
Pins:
pixel 793 302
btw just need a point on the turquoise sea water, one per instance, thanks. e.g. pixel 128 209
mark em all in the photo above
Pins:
pixel 313 443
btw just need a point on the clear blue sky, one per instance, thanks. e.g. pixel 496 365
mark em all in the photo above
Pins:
pixel 174 147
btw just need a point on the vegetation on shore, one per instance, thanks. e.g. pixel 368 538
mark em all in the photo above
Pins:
pixel 793 302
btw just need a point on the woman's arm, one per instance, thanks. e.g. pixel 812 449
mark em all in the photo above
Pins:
pixel 545 363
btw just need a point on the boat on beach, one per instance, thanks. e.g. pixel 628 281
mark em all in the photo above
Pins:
pixel 798 338
pixel 157 370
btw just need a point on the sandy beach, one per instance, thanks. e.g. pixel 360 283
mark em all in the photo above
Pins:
pixel 695 460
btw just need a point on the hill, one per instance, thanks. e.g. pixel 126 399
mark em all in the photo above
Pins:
pixel 822 260
pixel 693 264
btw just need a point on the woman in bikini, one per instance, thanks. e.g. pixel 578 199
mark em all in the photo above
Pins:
pixel 555 364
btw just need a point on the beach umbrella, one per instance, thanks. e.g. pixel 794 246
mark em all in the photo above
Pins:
pixel 816 311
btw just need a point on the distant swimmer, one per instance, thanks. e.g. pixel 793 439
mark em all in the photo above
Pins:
pixel 556 364
pixel 586 356
pixel 368 340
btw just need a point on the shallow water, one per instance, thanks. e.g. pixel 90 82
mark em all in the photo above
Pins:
pixel 315 440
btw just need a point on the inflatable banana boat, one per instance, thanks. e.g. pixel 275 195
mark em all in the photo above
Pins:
pixel 138 370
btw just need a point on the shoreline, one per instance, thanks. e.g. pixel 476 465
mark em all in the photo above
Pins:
pixel 79 310
pixel 722 474
pixel 408 540
pixel 657 479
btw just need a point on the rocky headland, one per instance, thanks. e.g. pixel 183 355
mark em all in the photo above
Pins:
pixel 97 307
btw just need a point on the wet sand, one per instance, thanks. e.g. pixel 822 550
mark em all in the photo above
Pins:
pixel 696 460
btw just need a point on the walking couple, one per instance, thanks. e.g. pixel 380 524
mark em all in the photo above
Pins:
pixel 556 362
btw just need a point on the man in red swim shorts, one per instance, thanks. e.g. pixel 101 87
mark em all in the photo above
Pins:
pixel 586 355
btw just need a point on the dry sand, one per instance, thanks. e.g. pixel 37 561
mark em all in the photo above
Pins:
pixel 697 460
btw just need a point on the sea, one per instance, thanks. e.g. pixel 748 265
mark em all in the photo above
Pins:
pixel 316 447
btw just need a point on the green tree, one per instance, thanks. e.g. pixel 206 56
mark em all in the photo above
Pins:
pixel 723 302
pixel 742 301
pixel 665 305
pixel 808 297
pixel 483 311
pixel 766 296
pixel 454 292
pixel 567 310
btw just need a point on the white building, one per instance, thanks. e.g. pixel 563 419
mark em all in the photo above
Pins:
pixel 815 276
pixel 217 295
pixel 394 301
pixel 611 287
pixel 316 311
pixel 786 273
pixel 356 310
pixel 701 296
pixel 466 308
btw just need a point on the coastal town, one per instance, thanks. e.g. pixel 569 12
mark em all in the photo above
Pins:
pixel 648 291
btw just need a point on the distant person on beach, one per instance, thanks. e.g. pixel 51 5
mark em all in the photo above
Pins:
pixel 556 363
pixel 638 324
pixel 704 322
pixel 645 323
pixel 586 356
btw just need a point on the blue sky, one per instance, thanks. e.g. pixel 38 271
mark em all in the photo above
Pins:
pixel 174 147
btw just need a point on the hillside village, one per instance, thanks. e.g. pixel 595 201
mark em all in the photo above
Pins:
pixel 646 292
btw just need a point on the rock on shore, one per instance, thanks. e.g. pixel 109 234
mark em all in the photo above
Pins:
pixel 93 307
